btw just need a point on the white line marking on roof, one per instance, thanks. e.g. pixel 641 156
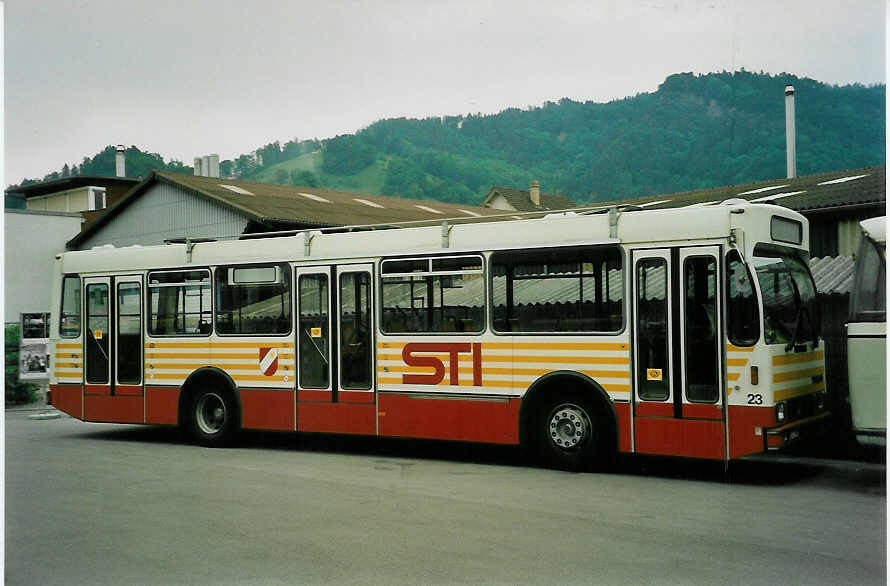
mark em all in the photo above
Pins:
pixel 426 209
pixel 762 189
pixel 651 203
pixel 843 179
pixel 469 213
pixel 236 189
pixel 778 195
pixel 314 197
pixel 367 203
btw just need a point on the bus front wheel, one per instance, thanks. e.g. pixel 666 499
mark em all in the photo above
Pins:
pixel 213 417
pixel 572 434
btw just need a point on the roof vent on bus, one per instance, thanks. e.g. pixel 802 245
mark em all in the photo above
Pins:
pixel 560 215
pixel 735 201
pixel 102 246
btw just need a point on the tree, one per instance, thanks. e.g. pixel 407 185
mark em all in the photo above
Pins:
pixel 304 178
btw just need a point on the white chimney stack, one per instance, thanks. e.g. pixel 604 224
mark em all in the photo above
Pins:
pixel 120 162
pixel 213 171
pixel 197 165
pixel 534 192
pixel 790 148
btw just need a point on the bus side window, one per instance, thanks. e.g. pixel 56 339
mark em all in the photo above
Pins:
pixel 69 324
pixel 742 315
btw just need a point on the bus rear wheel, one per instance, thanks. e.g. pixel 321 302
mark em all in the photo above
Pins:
pixel 213 417
pixel 572 434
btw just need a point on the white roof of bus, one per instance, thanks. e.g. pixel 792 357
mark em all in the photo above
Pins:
pixel 634 227
pixel 876 228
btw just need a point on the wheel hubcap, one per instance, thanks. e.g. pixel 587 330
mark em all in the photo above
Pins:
pixel 210 413
pixel 569 427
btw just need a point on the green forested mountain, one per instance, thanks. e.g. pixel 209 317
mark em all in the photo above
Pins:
pixel 695 131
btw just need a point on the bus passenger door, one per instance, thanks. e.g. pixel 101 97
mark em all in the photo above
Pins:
pixel 677 328
pixel 355 333
pixel 313 335
pixel 97 346
pixel 113 355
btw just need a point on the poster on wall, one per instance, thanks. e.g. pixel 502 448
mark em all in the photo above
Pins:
pixel 33 347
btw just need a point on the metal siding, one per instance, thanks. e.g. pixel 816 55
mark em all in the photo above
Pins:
pixel 164 212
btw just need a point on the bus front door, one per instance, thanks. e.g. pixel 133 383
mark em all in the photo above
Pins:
pixel 112 351
pixel 678 406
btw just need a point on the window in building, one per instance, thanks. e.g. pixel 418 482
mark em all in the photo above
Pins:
pixel 558 290
pixel 96 198
pixel 180 303
pixel 433 295
pixel 253 300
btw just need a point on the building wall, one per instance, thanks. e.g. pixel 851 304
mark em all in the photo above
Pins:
pixel 31 242
pixel 499 202
pixel 73 200
pixel 166 212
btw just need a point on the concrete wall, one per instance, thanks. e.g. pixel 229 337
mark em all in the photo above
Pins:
pixel 166 212
pixel 31 242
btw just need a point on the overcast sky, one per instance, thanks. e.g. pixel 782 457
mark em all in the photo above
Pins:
pixel 192 77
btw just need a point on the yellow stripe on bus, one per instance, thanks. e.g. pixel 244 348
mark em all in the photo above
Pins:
pixel 781 377
pixel 216 355
pixel 798 391
pixel 602 346
pixel 736 361
pixel 541 359
pixel 615 388
pixel 211 345
pixel 68 365
pixel 61 345
pixel 782 359
pixel 731 348
pixel 733 376
pixel 506 371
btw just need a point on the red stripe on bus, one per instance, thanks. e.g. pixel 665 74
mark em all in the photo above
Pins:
pixel 314 395
pixel 622 412
pixel 351 418
pixel 702 411
pixel 113 409
pixel 128 390
pixel 355 396
pixel 691 438
pixel 655 409
pixel 162 405
pixel 97 389
pixel 68 399
pixel 743 423
pixel 267 409
pixel 449 418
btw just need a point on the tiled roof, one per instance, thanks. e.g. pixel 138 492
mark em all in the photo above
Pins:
pixel 811 193
pixel 522 202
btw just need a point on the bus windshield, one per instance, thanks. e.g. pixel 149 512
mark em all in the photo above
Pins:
pixel 789 296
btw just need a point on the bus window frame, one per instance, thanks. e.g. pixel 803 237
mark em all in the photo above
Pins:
pixel 623 255
pixel 149 287
pixel 285 270
pixel 80 310
pixel 430 272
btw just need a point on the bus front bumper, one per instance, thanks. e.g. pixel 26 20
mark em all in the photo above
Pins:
pixel 792 432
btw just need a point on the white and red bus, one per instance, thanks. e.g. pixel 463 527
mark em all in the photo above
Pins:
pixel 683 332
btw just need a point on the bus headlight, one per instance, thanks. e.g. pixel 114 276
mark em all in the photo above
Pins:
pixel 780 411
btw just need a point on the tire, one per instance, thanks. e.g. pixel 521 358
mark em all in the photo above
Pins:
pixel 572 433
pixel 213 417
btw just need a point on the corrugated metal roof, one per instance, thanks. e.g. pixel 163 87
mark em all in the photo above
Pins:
pixel 825 191
pixel 833 275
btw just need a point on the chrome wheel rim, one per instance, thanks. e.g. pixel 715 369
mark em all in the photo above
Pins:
pixel 568 427
pixel 210 413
